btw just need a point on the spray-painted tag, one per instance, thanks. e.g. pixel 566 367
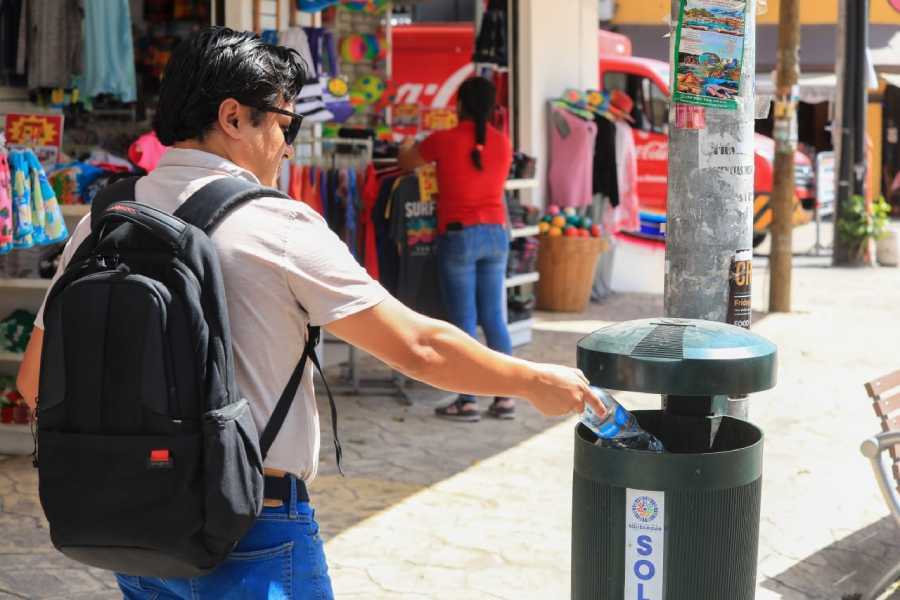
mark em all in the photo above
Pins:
pixel 739 296
pixel 645 529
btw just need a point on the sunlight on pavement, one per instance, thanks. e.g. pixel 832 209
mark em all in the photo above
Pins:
pixel 584 327
pixel 500 529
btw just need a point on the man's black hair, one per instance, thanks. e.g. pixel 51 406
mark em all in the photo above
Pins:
pixel 218 63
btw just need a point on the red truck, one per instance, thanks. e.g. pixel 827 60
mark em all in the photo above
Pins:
pixel 431 60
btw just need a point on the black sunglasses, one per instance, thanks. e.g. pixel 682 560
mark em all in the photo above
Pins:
pixel 290 132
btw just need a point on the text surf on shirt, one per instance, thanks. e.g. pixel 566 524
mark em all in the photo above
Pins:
pixel 421 225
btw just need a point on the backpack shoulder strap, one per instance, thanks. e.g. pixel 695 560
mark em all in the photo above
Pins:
pixel 279 414
pixel 205 209
pixel 120 191
pixel 209 205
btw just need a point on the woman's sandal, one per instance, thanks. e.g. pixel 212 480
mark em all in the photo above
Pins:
pixel 459 410
pixel 498 411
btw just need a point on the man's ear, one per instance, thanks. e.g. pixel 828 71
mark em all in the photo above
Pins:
pixel 230 117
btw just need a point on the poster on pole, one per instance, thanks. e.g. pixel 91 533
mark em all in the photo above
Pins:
pixel 709 52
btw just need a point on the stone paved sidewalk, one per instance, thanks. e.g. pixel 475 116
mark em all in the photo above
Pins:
pixel 439 510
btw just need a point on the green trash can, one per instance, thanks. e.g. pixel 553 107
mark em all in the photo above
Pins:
pixel 684 524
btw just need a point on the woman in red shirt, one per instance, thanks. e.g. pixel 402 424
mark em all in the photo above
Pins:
pixel 473 161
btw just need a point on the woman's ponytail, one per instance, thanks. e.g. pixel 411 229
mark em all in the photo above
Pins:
pixel 476 97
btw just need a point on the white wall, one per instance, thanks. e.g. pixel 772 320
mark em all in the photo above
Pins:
pixel 557 50
pixel 239 14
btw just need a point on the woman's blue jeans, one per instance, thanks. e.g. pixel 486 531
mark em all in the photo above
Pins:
pixel 472 264
pixel 281 557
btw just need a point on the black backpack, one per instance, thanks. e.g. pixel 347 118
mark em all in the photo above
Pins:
pixel 149 460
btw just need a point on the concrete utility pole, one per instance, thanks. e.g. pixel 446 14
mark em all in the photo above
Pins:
pixel 782 201
pixel 849 128
pixel 709 230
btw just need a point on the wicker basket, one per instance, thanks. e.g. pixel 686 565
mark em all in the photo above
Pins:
pixel 567 268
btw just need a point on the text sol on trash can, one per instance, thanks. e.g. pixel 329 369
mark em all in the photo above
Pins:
pixel 644 538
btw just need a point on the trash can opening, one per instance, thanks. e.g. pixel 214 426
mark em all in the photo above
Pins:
pixel 690 434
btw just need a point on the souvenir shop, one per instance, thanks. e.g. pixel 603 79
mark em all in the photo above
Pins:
pixel 72 127
pixel 77 80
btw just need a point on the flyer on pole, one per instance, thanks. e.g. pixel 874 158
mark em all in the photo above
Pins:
pixel 709 50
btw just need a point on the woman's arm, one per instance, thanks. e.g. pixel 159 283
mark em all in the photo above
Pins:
pixel 410 158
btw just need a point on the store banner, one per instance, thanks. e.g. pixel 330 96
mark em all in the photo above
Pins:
pixel 41 133
pixel 709 51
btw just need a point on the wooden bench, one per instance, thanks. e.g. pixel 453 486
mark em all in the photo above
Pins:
pixel 885 395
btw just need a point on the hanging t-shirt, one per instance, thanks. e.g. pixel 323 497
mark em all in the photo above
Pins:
pixel 10 15
pixel 108 50
pixel 571 158
pixel 414 231
pixel 388 261
pixel 369 196
pixel 6 207
pixel 467 195
pixel 310 102
pixel 53 40
pixel 628 211
pixel 605 178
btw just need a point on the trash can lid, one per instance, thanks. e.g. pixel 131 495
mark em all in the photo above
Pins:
pixel 686 357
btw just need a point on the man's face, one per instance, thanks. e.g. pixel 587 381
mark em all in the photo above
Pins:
pixel 266 147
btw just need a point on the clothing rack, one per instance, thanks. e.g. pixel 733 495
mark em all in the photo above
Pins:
pixel 322 147
pixel 352 383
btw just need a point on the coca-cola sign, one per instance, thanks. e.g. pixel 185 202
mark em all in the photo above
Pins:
pixel 652 150
pixel 435 95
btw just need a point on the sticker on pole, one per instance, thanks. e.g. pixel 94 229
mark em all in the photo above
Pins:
pixel 644 537
pixel 709 52
pixel 739 297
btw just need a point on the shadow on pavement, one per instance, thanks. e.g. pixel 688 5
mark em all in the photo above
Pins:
pixel 392 451
pixel 845 570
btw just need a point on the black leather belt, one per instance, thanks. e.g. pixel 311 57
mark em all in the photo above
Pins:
pixel 279 488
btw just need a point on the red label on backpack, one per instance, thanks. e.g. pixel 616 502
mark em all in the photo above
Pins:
pixel 160 459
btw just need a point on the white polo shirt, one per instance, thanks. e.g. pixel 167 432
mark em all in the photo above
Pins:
pixel 283 269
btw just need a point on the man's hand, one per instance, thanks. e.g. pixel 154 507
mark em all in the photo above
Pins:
pixel 562 390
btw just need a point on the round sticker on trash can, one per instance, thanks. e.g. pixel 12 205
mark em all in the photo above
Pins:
pixel 644 508
pixel 644 538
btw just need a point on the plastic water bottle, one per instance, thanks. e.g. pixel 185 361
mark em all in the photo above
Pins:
pixel 619 428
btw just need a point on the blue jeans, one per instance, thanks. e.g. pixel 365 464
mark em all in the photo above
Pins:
pixel 281 557
pixel 472 266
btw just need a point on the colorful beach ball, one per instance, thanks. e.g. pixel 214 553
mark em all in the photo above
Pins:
pixel 371 7
pixel 369 87
pixel 354 48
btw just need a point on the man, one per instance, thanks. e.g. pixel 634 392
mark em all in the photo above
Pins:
pixel 225 107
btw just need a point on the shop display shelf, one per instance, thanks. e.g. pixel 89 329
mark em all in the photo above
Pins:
pixel 520 184
pixel 24 284
pixel 520 332
pixel 15 439
pixel 522 279
pixel 527 231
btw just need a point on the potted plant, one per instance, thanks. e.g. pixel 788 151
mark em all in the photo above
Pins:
pixel 859 227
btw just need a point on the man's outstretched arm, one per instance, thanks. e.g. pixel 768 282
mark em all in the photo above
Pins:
pixel 442 355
